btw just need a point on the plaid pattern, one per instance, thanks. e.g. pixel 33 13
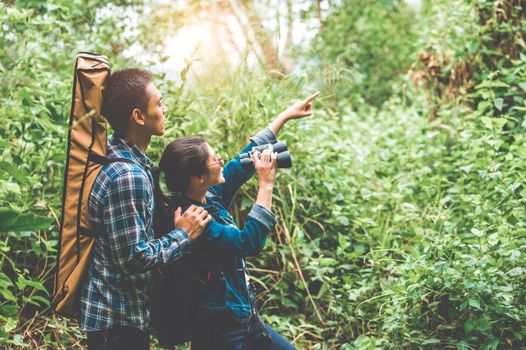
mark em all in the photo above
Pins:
pixel 116 290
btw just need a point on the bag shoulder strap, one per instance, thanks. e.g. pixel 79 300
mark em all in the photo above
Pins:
pixel 98 159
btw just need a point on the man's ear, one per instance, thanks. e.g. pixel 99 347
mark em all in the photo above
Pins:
pixel 137 117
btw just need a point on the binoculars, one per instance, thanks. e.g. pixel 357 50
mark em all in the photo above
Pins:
pixel 283 160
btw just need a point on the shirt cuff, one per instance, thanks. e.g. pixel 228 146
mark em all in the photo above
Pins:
pixel 263 215
pixel 263 137
pixel 181 238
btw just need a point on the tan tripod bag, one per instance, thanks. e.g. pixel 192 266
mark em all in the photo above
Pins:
pixel 86 154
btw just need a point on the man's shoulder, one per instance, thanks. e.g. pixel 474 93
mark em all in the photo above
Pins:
pixel 122 167
pixel 121 174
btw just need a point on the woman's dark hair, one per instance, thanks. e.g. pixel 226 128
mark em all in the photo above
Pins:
pixel 181 159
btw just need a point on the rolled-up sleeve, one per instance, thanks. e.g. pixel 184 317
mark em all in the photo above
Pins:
pixel 263 215
pixel 126 214
pixel 263 137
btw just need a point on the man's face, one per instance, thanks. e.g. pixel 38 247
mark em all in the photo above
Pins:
pixel 154 121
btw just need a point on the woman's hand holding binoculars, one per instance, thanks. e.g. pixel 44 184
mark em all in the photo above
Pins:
pixel 265 165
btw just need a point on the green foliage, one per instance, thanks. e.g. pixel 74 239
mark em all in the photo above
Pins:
pixel 402 223
pixel 375 38
pixel 37 46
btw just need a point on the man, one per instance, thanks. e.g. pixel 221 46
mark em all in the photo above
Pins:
pixel 115 297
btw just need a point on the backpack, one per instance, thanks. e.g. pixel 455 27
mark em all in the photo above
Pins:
pixel 174 301
pixel 86 155
pixel 175 289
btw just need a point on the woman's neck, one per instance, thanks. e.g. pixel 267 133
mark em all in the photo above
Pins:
pixel 197 194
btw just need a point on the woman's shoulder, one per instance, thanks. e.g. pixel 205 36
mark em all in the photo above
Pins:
pixel 213 195
pixel 175 200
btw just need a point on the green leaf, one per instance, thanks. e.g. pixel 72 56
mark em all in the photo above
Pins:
pixel 492 84
pixel 477 232
pixel 22 283
pixel 499 103
pixel 516 271
pixel 14 172
pixel 469 325
pixel 487 121
pixel 500 122
pixel 474 302
pixel 11 187
pixel 13 220
pixel 343 220
pixel 483 324
pixel 10 324
pixel 7 294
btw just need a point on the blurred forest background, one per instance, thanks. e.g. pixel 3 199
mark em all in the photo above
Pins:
pixel 402 224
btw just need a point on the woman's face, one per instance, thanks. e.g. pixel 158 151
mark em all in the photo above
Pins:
pixel 215 168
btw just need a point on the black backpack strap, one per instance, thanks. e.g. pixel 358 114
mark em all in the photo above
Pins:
pixel 98 159
pixel 122 160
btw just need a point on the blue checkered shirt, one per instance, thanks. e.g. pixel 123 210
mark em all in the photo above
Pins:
pixel 116 289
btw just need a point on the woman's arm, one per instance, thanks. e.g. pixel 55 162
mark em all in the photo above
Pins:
pixel 235 175
pixel 248 241
pixel 298 110
pixel 251 239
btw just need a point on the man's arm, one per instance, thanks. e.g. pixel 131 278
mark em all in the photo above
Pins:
pixel 125 213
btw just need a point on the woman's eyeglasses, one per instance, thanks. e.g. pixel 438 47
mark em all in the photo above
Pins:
pixel 217 160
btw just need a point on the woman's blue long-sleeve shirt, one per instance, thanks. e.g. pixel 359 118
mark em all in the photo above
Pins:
pixel 220 251
pixel 218 254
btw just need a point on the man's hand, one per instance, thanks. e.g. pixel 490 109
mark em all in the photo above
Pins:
pixel 193 221
pixel 300 109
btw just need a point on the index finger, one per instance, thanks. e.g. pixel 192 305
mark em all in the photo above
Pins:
pixel 312 97
pixel 255 158
pixel 274 159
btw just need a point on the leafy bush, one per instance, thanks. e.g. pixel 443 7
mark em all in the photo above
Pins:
pixel 376 38
pixel 401 224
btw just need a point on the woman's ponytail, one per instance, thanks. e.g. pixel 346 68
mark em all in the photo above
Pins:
pixel 162 205
pixel 160 197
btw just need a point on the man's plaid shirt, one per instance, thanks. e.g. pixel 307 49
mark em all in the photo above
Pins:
pixel 117 286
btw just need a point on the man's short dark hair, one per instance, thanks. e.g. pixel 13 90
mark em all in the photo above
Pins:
pixel 125 90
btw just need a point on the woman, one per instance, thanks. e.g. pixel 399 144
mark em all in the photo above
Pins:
pixel 226 317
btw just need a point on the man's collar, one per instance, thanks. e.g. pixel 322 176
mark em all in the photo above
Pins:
pixel 125 145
